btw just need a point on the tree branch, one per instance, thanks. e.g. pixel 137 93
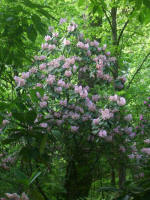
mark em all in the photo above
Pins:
pixel 139 68
pixel 125 25
pixel 107 17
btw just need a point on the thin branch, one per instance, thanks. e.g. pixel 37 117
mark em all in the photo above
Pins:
pixel 107 17
pixel 121 33
pixel 125 25
pixel 139 68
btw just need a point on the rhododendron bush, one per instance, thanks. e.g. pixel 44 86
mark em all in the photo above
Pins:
pixel 67 106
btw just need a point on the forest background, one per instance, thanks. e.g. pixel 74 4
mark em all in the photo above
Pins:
pixel 124 25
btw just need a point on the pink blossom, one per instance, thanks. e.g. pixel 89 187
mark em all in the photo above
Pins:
pixel 146 150
pixel 108 53
pixel 24 196
pixel 50 80
pixel 141 117
pixel 39 85
pixel 45 98
pixel 95 97
pixel 63 102
pixel 72 27
pixel 106 114
pixel 66 42
pixel 25 75
pixel 33 70
pixel 80 45
pixel 102 133
pixel 86 46
pixel 85 118
pixel 121 101
pixel 128 117
pixel 96 121
pixel 47 38
pixel 96 43
pixel 44 46
pixel 83 93
pixel 131 156
pixel 62 20
pixel 57 114
pixel 104 47
pixel 44 125
pixel 78 108
pixel 20 81
pixel 12 196
pixel 51 47
pixel 59 122
pixel 75 116
pixel 38 95
pixel 42 66
pixel 61 83
pixel 55 34
pixel 91 106
pixel 58 89
pixel 99 49
pixel 40 57
pixel 74 128
pixel 89 53
pixel 68 73
pixel 147 141
pixel 43 104
pixel 77 89
pixel 5 122
pixel 74 68
pixel 132 135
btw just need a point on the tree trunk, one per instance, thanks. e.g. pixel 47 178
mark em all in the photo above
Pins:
pixel 122 176
pixel 78 178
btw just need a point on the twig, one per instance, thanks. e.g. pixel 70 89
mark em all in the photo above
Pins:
pixel 107 17
pixel 139 68
pixel 125 25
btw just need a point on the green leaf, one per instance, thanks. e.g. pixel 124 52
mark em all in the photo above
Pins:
pixel 46 14
pixel 30 116
pixel 31 32
pixel 18 116
pixel 146 3
pixel 33 93
pixel 43 143
pixel 81 2
pixel 38 24
pixel 110 189
pixel 34 176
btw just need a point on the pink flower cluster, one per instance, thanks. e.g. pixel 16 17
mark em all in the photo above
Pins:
pixel 50 80
pixel 96 121
pixel 74 128
pixel 20 81
pixel 106 114
pixel 81 91
pixel 120 100
pixel 82 45
pixel 66 42
pixel 39 58
pixel 146 150
pixel 72 27
pixel 128 117
pixel 15 196
pixel 102 133
pixel 147 141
